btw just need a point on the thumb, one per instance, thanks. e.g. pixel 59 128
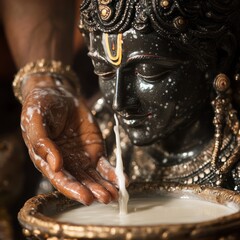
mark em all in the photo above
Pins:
pixel 50 152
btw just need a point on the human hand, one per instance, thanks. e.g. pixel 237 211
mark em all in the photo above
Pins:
pixel 66 145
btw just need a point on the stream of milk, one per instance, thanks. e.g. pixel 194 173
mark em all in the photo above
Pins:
pixel 123 194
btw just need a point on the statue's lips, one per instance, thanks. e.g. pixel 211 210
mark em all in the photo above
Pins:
pixel 134 120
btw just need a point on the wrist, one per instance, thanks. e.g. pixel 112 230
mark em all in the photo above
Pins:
pixel 44 73
pixel 45 81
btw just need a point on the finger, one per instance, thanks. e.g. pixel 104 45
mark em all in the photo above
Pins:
pixel 43 151
pixel 32 156
pixel 110 187
pixel 36 135
pixel 71 188
pixel 63 181
pixel 107 171
pixel 90 134
pixel 32 122
pixel 100 193
pixel 50 152
pixel 25 139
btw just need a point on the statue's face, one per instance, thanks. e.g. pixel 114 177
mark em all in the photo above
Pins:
pixel 154 87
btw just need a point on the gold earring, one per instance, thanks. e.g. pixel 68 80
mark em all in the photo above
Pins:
pixel 220 104
pixel 225 115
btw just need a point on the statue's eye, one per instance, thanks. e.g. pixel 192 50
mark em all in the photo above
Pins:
pixel 104 71
pixel 152 71
pixel 105 75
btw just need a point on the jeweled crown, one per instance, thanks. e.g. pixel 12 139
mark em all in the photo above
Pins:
pixel 175 18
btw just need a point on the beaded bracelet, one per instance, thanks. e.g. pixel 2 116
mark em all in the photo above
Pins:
pixel 43 66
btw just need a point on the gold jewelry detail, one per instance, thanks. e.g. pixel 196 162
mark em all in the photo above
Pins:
pixel 105 2
pixel 164 3
pixel 225 115
pixel 221 83
pixel 44 67
pixel 180 23
pixel 117 59
pixel 105 12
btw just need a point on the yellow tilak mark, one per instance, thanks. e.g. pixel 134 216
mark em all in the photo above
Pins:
pixel 115 60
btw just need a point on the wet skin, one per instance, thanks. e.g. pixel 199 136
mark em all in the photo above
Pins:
pixel 64 143
pixel 157 90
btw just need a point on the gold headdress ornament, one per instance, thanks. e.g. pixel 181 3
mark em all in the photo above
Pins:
pixel 104 9
pixel 169 18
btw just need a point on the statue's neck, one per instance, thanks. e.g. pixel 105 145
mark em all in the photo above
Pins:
pixel 186 142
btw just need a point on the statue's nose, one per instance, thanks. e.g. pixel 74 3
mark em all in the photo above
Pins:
pixel 124 96
pixel 119 94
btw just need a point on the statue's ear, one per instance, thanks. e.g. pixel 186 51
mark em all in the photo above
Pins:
pixel 226 50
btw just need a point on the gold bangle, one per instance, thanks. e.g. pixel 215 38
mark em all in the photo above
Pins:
pixel 44 67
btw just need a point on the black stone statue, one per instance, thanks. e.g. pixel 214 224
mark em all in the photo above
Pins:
pixel 169 70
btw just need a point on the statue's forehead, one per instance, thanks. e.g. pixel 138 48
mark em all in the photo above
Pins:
pixel 120 47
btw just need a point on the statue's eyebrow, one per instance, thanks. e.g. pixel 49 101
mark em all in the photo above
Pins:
pixel 163 60
pixel 97 56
